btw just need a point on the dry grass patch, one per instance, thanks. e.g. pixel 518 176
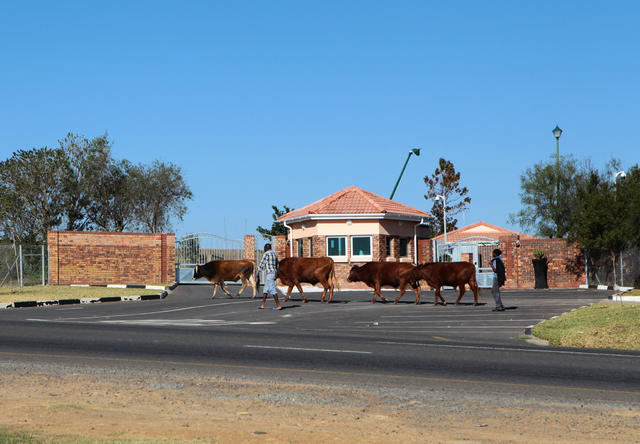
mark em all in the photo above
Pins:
pixel 55 292
pixel 598 326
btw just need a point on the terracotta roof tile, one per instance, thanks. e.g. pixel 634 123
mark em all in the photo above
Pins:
pixel 354 200
pixel 483 229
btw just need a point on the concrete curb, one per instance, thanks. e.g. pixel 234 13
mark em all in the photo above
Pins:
pixel 605 287
pixel 142 297
pixel 622 298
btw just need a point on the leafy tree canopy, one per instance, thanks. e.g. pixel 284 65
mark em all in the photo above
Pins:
pixel 445 181
pixel 277 228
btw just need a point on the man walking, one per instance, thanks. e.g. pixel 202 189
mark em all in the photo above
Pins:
pixel 499 277
pixel 269 264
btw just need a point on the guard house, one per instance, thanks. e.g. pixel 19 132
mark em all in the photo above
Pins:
pixel 354 226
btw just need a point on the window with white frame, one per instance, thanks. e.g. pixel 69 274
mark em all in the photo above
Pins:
pixel 337 246
pixel 361 247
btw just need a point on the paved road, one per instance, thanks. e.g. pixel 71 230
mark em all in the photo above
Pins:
pixel 350 339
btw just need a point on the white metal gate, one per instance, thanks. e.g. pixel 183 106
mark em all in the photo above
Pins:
pixel 200 248
pixel 476 248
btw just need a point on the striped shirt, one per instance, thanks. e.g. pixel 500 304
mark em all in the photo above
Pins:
pixel 269 262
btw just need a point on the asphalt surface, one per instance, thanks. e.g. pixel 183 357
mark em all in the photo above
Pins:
pixel 348 340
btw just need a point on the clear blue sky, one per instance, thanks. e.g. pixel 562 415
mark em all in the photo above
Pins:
pixel 273 102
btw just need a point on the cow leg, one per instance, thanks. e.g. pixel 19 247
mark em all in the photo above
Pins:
pixel 304 298
pixel 243 286
pixel 473 284
pixel 417 291
pixel 215 288
pixel 252 282
pixel 286 298
pixel 224 288
pixel 439 296
pixel 324 292
pixel 462 288
pixel 377 290
pixel 402 290
pixel 330 292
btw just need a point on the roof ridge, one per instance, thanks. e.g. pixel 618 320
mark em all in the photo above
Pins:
pixel 365 194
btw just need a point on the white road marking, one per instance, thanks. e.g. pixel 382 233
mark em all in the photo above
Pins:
pixel 148 312
pixel 185 322
pixel 310 349
pixel 466 321
pixel 533 350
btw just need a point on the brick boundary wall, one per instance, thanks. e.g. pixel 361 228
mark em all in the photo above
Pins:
pixel 99 258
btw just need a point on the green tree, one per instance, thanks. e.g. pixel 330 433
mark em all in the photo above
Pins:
pixel 549 196
pixel 277 228
pixel 445 181
pixel 159 194
pixel 598 219
pixel 87 164
pixel 31 193
pixel 114 208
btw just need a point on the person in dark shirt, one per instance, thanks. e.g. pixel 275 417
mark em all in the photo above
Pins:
pixel 499 278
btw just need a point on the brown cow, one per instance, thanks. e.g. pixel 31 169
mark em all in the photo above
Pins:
pixel 391 274
pixel 313 270
pixel 227 270
pixel 455 274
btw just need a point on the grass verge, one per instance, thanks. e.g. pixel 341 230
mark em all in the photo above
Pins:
pixel 8 436
pixel 598 326
pixel 634 292
pixel 55 292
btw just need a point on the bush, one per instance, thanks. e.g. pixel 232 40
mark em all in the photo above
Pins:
pixel 539 254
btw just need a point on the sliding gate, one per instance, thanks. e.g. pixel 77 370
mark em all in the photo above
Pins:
pixel 476 250
pixel 200 248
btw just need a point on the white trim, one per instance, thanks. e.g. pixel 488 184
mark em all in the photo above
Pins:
pixel 388 216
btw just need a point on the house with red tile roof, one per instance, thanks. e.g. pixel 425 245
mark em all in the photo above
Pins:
pixel 355 225
pixel 481 230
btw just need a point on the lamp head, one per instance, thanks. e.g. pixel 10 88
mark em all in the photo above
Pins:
pixel 415 151
pixel 557 132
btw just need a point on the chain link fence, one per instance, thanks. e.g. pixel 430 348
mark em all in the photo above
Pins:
pixel 23 265
pixel 624 271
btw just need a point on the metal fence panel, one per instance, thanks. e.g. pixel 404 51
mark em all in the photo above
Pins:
pixel 23 265
pixel 625 272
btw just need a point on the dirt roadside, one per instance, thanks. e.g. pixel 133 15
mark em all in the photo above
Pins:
pixel 59 400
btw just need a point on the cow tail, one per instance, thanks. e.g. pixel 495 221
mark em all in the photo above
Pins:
pixel 475 283
pixel 332 277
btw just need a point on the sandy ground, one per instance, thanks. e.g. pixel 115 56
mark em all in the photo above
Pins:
pixel 59 400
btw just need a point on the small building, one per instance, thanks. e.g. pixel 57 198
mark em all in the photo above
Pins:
pixel 355 226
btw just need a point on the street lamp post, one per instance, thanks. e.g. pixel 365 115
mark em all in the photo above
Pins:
pixel 444 214
pixel 557 132
pixel 616 176
pixel 415 151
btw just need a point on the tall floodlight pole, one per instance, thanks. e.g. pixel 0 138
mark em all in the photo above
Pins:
pixel 415 151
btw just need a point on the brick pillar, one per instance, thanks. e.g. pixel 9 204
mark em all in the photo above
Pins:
pixel 280 246
pixel 249 250
pixel 54 262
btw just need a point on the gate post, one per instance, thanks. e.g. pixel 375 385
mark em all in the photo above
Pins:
pixel 249 247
